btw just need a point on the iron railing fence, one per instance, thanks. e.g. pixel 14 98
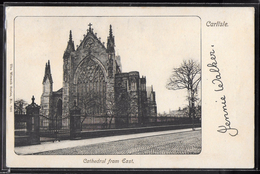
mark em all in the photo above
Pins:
pixel 60 125
pixel 57 128
pixel 53 126
pixel 92 124
pixel 20 125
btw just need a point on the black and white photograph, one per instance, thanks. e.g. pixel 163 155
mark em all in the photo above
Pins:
pixel 110 77
pixel 124 87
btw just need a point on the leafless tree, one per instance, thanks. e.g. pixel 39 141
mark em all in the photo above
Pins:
pixel 187 76
pixel 133 107
pixel 122 109
pixel 19 106
pixel 111 108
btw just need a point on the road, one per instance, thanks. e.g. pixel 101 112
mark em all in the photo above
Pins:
pixel 188 142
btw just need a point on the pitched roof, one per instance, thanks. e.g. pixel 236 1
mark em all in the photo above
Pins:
pixel 59 92
pixel 90 34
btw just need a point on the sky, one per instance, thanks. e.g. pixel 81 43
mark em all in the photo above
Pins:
pixel 151 45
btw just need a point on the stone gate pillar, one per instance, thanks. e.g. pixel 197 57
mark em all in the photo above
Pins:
pixel 75 122
pixel 33 122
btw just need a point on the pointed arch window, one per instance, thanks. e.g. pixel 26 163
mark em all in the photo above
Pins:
pixel 91 88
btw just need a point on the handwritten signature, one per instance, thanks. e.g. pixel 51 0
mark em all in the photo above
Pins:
pixel 227 127
pixel 215 69
pixel 220 87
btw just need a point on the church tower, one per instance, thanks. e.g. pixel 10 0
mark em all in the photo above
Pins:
pixel 46 97
pixel 66 75
pixel 111 54
pixel 111 69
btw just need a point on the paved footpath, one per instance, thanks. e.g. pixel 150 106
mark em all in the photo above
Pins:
pixel 179 141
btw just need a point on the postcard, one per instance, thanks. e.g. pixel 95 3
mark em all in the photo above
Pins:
pixel 130 87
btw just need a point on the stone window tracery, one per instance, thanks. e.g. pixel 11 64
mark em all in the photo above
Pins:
pixel 91 88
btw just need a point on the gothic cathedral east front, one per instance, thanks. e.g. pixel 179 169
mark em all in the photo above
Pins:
pixel 93 80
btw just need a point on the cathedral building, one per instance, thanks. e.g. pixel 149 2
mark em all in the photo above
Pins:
pixel 94 81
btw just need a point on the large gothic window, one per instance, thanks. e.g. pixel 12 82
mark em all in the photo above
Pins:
pixel 91 88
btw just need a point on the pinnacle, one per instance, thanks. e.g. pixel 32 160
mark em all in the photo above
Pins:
pixel 49 66
pixel 47 71
pixel 70 46
pixel 110 31
pixel 70 37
